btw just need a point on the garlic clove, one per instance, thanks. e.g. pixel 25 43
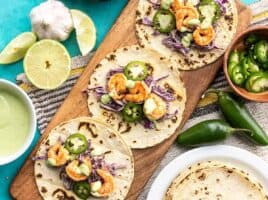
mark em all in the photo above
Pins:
pixel 51 20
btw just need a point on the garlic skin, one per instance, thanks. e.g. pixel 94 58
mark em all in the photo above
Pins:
pixel 51 20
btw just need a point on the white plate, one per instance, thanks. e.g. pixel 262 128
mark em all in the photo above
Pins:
pixel 241 158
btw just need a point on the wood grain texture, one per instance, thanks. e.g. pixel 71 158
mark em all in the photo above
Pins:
pixel 75 105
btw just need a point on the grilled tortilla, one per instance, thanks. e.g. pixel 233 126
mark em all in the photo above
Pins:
pixel 114 150
pixel 225 30
pixel 214 180
pixel 134 134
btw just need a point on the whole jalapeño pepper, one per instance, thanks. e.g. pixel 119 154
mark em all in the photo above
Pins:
pixel 238 116
pixel 206 132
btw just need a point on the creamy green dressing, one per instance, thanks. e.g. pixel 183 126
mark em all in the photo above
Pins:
pixel 14 123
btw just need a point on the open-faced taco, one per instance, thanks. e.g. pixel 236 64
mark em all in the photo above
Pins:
pixel 193 33
pixel 214 180
pixel 139 93
pixel 83 159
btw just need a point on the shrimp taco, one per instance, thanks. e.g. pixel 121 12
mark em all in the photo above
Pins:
pixel 83 159
pixel 213 180
pixel 193 33
pixel 139 93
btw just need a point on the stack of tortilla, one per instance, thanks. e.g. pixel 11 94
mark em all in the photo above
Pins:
pixel 214 180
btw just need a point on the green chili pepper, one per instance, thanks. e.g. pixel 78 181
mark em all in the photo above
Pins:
pixel 242 54
pixel 265 65
pixel 237 76
pixel 234 57
pixel 82 189
pixel 249 66
pixel 164 21
pixel 76 143
pixel 260 84
pixel 251 53
pixel 136 71
pixel 251 79
pixel 252 39
pixel 239 117
pixel 261 51
pixel 206 132
pixel 217 10
pixel 230 67
pixel 132 112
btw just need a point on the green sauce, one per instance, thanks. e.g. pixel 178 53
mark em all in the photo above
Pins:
pixel 14 123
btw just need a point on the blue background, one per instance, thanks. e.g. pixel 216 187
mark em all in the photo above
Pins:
pixel 14 19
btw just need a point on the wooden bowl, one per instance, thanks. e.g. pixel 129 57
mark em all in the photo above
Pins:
pixel 237 43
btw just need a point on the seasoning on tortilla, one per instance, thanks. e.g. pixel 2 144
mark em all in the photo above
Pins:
pixel 139 93
pixel 203 29
pixel 83 159
pixel 215 180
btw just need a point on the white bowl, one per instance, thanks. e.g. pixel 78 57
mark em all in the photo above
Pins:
pixel 27 101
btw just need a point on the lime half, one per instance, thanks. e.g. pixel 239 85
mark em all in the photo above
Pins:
pixel 85 31
pixel 17 48
pixel 47 64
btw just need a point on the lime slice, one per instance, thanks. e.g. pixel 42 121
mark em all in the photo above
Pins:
pixel 85 31
pixel 17 48
pixel 47 64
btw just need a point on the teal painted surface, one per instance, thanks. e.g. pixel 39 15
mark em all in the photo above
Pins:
pixel 14 20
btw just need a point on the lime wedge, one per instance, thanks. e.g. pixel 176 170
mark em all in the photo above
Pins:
pixel 47 64
pixel 85 31
pixel 17 48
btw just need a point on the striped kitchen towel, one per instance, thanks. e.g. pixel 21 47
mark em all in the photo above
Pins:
pixel 47 102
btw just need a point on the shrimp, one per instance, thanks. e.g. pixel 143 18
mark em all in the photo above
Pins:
pixel 117 86
pixel 73 170
pixel 154 107
pixel 138 93
pixel 176 5
pixel 59 154
pixel 184 14
pixel 107 186
pixel 203 37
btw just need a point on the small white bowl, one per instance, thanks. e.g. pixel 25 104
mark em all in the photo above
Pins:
pixel 4 84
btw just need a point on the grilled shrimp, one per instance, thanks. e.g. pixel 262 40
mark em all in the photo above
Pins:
pixel 154 107
pixel 176 5
pixel 184 14
pixel 203 37
pixel 117 86
pixel 58 154
pixel 74 171
pixel 107 186
pixel 138 93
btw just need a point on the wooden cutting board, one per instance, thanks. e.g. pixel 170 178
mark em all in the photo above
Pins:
pixel 75 105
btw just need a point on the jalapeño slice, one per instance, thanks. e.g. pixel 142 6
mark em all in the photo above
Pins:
pixel 136 71
pixel 82 189
pixel 132 112
pixel 261 51
pixel 164 21
pixel 206 6
pixel 76 143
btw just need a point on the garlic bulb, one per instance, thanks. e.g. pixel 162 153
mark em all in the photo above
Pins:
pixel 51 20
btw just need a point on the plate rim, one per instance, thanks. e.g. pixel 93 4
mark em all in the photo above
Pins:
pixel 156 188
